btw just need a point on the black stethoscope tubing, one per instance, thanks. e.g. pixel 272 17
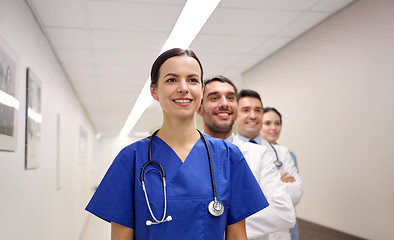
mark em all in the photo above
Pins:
pixel 277 162
pixel 210 165
pixel 215 207
pixel 150 161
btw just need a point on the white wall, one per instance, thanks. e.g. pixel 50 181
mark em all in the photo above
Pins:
pixel 334 87
pixel 31 207
pixel 108 150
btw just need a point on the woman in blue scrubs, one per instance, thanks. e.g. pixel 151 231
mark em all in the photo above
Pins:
pixel 176 77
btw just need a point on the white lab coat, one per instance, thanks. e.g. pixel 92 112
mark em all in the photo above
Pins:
pixel 280 213
pixel 294 188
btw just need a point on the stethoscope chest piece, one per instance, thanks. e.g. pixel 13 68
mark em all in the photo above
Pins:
pixel 278 163
pixel 216 208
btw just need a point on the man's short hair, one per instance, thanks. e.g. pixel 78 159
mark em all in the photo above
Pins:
pixel 249 93
pixel 222 79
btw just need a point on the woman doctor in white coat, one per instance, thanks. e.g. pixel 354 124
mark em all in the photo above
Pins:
pixel 270 131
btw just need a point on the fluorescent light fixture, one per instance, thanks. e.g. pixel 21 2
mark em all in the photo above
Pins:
pixel 194 15
pixel 141 134
pixel 9 100
pixel 143 101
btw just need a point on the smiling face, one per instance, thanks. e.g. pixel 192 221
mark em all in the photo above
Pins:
pixel 249 119
pixel 271 127
pixel 179 87
pixel 219 109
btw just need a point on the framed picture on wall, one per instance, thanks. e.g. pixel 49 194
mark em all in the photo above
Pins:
pixel 9 103
pixel 83 145
pixel 59 164
pixel 33 120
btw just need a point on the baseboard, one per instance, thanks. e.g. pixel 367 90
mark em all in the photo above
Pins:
pixel 312 231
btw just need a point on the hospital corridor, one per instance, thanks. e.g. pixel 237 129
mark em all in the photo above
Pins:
pixel 97 229
pixel 164 117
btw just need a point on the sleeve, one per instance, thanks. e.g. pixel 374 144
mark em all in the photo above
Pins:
pixel 246 197
pixel 280 213
pixel 295 160
pixel 113 200
pixel 295 188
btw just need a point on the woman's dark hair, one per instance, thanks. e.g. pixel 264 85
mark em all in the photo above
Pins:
pixel 267 109
pixel 155 71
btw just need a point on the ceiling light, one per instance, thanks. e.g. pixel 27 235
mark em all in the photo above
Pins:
pixel 193 17
pixel 141 134
pixel 143 101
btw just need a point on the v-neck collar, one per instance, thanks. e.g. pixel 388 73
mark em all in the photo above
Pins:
pixel 174 153
pixel 174 168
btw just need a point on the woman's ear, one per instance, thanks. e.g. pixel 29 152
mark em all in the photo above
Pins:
pixel 199 110
pixel 153 92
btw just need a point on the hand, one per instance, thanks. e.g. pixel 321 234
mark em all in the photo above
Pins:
pixel 287 178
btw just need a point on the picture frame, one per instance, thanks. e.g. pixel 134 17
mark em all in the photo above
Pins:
pixel 83 145
pixel 33 120
pixel 9 103
pixel 59 163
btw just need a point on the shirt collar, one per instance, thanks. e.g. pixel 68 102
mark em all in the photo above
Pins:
pixel 229 139
pixel 244 139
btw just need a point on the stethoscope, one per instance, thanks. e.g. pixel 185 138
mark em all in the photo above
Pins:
pixel 215 207
pixel 277 162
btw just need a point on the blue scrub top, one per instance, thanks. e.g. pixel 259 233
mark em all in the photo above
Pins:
pixel 120 198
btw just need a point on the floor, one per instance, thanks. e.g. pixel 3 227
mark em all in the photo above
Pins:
pixel 98 229
pixel 312 231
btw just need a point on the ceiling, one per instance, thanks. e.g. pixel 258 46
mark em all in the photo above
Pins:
pixel 106 47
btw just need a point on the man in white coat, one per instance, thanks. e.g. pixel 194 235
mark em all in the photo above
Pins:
pixel 249 122
pixel 219 111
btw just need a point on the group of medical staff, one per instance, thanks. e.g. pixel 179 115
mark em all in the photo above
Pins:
pixel 181 183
